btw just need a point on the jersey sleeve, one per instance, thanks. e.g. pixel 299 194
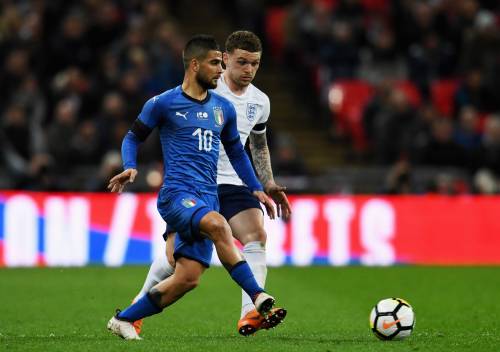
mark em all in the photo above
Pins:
pixel 230 138
pixel 130 145
pixel 260 126
pixel 150 113
pixel 230 130
pixel 147 120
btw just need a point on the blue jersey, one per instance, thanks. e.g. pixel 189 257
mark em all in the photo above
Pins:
pixel 190 133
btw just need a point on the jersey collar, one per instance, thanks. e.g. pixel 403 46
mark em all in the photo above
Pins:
pixel 226 87
pixel 201 102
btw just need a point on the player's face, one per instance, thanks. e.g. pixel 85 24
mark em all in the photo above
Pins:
pixel 210 69
pixel 242 66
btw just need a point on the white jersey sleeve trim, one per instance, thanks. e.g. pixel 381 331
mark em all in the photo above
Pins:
pixel 266 108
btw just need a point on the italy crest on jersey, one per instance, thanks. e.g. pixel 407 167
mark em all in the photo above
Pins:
pixel 251 111
pixel 188 203
pixel 218 116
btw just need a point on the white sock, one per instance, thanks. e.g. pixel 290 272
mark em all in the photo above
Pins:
pixel 255 255
pixel 159 270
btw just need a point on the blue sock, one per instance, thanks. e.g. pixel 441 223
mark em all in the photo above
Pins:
pixel 144 307
pixel 243 276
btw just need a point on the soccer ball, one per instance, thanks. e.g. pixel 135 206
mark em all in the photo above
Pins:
pixel 392 319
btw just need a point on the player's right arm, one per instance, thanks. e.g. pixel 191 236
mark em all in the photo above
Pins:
pixel 262 163
pixel 231 140
pixel 140 130
pixel 118 182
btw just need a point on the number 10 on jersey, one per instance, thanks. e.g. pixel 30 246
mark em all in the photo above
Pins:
pixel 204 139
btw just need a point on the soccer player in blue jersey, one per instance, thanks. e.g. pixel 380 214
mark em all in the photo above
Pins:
pixel 237 204
pixel 192 122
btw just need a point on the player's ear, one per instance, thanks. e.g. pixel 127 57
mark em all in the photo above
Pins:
pixel 195 65
pixel 225 58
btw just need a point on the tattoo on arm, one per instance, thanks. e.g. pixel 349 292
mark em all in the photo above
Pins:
pixel 261 157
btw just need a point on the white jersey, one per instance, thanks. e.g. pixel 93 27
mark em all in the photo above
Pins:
pixel 252 108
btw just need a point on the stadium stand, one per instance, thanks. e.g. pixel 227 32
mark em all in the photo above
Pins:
pixel 375 77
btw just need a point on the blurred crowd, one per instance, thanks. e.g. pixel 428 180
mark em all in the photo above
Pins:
pixel 398 54
pixel 73 77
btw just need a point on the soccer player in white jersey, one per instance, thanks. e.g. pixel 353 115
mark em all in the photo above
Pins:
pixel 237 205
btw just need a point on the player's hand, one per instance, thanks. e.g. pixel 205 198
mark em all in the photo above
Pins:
pixel 268 203
pixel 117 183
pixel 277 193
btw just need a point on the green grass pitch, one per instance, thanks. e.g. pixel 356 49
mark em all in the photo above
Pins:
pixel 457 309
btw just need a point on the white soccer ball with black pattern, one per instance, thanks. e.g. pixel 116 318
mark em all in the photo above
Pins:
pixel 392 319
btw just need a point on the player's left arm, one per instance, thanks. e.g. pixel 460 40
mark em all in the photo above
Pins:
pixel 230 138
pixel 262 163
pixel 140 130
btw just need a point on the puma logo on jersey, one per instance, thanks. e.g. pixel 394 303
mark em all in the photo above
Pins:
pixel 183 115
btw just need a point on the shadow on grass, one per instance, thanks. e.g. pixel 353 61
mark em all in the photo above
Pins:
pixel 208 339
pixel 336 340
pixel 269 338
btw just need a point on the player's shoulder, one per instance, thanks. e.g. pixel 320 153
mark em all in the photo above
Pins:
pixel 163 101
pixel 218 98
pixel 258 95
pixel 167 95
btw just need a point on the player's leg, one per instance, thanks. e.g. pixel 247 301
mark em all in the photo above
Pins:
pixel 161 268
pixel 182 215
pixel 199 228
pixel 192 216
pixel 248 228
pixel 245 217
pixel 191 244
pixel 184 279
pixel 218 230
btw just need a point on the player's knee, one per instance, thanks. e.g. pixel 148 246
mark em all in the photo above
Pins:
pixel 218 229
pixel 171 261
pixel 259 235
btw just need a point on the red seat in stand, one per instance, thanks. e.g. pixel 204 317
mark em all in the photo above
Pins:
pixel 411 92
pixel 442 94
pixel 347 100
pixel 275 30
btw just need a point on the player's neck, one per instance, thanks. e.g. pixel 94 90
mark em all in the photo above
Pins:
pixel 236 89
pixel 193 89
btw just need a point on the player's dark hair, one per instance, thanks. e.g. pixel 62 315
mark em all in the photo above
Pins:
pixel 198 47
pixel 244 40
